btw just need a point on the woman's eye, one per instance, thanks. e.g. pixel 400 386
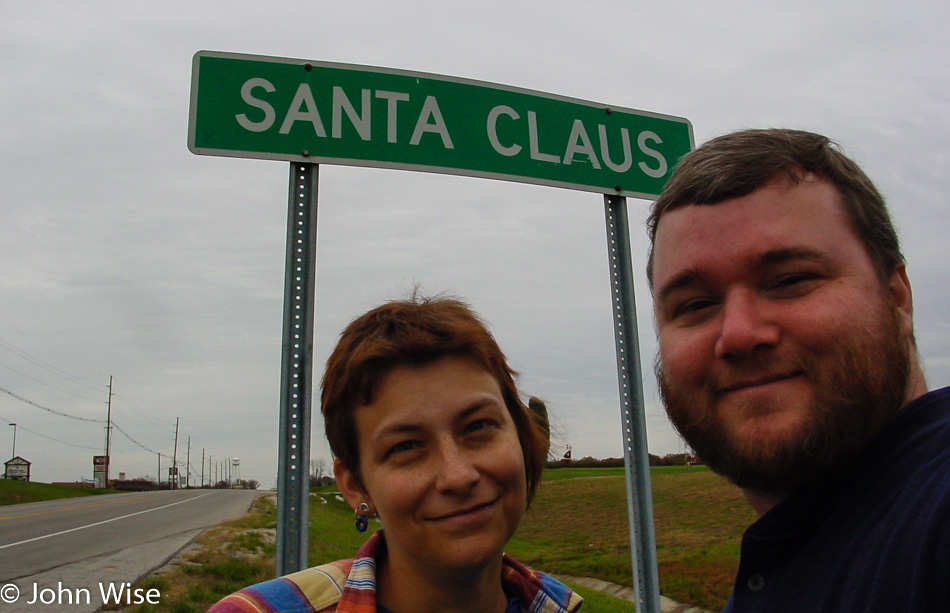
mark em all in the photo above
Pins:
pixel 403 446
pixel 479 425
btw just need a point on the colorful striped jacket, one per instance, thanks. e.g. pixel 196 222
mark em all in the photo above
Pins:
pixel 349 586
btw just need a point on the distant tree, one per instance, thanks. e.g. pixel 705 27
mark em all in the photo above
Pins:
pixel 140 484
pixel 675 459
pixel 587 462
pixel 318 476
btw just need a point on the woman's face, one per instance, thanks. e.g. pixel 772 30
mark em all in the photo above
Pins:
pixel 441 464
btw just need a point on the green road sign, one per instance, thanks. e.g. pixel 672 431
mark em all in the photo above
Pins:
pixel 319 112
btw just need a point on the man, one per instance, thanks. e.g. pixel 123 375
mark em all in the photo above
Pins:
pixel 787 360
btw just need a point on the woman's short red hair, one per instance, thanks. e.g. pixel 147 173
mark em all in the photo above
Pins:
pixel 416 332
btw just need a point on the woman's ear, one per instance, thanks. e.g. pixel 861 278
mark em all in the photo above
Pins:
pixel 350 486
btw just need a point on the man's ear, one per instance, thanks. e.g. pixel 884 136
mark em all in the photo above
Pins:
pixel 899 287
pixel 350 486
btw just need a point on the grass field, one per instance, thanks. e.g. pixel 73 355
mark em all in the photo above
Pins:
pixel 576 526
pixel 20 492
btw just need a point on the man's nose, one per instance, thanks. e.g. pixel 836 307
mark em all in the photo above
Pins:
pixel 747 324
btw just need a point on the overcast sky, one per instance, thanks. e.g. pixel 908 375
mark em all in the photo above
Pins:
pixel 123 254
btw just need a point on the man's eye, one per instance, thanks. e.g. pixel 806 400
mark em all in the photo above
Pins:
pixel 693 306
pixel 795 278
pixel 794 282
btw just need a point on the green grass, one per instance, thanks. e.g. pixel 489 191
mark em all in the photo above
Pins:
pixel 20 492
pixel 556 474
pixel 578 526
pixel 332 534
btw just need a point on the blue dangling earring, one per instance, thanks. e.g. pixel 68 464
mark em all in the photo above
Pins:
pixel 361 521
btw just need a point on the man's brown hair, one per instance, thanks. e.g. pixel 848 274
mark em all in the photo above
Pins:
pixel 739 163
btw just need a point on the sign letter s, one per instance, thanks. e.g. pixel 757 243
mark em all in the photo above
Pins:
pixel 269 114
pixel 653 153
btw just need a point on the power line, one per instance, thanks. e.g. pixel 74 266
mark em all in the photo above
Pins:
pixel 140 423
pixel 126 434
pixel 54 411
pixel 48 349
pixel 62 373
pixel 41 382
pixel 166 426
pixel 163 427
pixel 21 427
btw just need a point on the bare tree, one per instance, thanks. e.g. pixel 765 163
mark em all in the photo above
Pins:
pixel 317 468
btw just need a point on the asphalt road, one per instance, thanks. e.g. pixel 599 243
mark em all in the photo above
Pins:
pixel 68 551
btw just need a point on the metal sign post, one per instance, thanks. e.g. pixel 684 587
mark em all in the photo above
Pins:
pixel 293 482
pixel 636 459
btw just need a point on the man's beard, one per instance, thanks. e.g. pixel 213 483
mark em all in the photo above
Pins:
pixel 858 390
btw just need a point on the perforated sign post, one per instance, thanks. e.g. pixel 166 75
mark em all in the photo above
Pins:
pixel 309 113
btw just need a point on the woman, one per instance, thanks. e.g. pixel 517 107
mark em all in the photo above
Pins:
pixel 430 435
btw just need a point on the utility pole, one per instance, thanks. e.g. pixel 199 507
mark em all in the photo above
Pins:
pixel 158 479
pixel 188 465
pixel 108 431
pixel 202 468
pixel 175 457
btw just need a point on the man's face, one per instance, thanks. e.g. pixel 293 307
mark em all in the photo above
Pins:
pixel 781 351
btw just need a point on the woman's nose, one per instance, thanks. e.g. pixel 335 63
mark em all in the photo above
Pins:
pixel 456 472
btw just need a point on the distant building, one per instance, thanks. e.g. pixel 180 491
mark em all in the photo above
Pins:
pixel 17 469
pixel 567 454
pixel 322 481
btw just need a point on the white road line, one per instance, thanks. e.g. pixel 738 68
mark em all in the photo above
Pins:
pixel 99 523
